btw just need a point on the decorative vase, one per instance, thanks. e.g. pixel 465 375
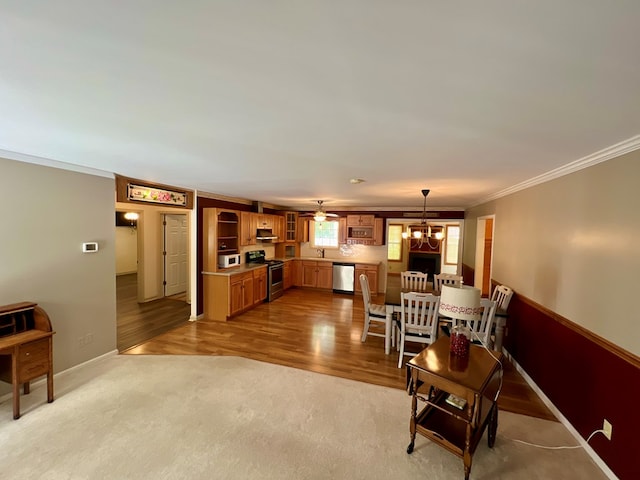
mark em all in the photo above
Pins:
pixel 460 340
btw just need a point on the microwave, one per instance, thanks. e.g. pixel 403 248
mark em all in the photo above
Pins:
pixel 226 261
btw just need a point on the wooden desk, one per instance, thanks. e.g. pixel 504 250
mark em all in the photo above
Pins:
pixel 25 348
pixel 393 300
pixel 432 375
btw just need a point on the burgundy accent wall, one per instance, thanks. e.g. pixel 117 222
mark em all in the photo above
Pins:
pixel 587 378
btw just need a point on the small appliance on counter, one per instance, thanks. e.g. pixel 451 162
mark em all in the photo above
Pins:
pixel 229 260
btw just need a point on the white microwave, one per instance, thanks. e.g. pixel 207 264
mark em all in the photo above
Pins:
pixel 226 261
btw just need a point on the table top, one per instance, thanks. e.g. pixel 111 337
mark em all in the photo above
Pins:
pixel 472 373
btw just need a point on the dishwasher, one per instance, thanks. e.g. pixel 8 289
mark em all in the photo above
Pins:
pixel 343 277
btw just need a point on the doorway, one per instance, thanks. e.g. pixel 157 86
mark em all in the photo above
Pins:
pixel 484 254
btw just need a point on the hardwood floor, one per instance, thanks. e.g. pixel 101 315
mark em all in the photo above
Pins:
pixel 319 332
pixel 138 322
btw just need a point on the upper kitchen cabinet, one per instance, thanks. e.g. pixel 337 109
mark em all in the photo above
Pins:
pixel 265 221
pixel 221 235
pixel 290 227
pixel 279 228
pixel 248 228
pixel 365 230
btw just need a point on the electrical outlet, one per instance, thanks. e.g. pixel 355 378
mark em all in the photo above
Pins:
pixel 607 429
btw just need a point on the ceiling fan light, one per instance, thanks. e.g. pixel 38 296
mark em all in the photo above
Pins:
pixel 319 217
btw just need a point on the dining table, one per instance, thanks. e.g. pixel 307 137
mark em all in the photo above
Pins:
pixel 393 303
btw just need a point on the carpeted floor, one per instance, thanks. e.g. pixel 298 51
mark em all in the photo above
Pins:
pixel 206 417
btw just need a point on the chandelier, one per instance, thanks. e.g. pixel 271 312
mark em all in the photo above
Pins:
pixel 423 232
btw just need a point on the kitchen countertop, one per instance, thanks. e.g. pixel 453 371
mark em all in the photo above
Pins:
pixel 331 260
pixel 243 268
pixel 248 267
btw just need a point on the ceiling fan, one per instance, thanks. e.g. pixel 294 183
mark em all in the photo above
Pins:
pixel 320 215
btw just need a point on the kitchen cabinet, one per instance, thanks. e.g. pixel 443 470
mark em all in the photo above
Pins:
pixel 365 230
pixel 317 274
pixel 241 288
pixel 290 227
pixel 296 272
pixel 248 228
pixel 360 220
pixel 371 271
pixel 287 275
pixel 302 235
pixel 278 228
pixel 229 295
pixel 220 235
pixel 265 221
pixel 259 285
pixel 342 230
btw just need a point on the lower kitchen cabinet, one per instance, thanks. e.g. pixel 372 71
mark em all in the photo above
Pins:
pixel 317 274
pixel 287 275
pixel 371 271
pixel 229 295
pixel 259 285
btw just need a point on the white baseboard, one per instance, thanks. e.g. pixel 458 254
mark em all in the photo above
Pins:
pixel 590 451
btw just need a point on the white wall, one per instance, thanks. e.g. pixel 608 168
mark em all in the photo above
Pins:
pixel 571 245
pixel 126 250
pixel 48 214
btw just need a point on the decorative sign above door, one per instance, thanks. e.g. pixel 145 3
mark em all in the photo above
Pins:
pixel 134 191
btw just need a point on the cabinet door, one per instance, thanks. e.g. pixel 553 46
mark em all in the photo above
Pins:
pixel 360 220
pixel 265 221
pixel 237 294
pixel 324 275
pixel 309 274
pixel 296 270
pixel 342 230
pixel 371 271
pixel 247 228
pixel 247 291
pixel 287 276
pixel 291 227
pixel 303 230
pixel 378 232
pixel 278 228
pixel 259 285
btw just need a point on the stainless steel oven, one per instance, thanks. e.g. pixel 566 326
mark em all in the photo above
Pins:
pixel 275 273
pixel 275 279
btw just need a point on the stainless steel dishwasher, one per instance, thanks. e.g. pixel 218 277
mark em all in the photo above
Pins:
pixel 344 277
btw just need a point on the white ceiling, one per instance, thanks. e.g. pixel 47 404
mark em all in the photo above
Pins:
pixel 284 101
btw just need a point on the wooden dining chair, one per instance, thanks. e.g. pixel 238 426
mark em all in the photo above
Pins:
pixel 415 281
pixel 372 311
pixel 446 279
pixel 418 321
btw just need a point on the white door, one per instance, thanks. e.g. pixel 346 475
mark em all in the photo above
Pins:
pixel 175 254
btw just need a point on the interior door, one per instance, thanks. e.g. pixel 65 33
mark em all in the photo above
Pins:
pixel 175 254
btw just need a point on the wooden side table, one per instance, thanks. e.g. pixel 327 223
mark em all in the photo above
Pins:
pixel 432 376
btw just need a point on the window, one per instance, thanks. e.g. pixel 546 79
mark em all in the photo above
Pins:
pixel 324 234
pixel 394 243
pixel 451 244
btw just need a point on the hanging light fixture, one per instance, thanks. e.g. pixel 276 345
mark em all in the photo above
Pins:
pixel 424 229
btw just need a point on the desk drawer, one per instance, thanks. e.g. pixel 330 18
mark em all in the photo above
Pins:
pixel 33 360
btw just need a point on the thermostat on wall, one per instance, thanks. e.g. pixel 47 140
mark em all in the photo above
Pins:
pixel 90 247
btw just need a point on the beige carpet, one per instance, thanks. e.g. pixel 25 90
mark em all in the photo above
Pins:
pixel 174 417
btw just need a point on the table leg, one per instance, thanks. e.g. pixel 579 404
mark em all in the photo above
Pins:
pixel 387 329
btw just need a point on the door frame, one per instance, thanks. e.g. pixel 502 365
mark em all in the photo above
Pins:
pixel 481 262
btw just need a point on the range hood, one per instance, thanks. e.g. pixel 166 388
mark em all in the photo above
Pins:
pixel 265 234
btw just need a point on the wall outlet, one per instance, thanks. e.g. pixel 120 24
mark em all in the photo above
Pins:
pixel 607 429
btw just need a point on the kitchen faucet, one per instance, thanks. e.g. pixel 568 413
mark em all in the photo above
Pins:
pixel 320 252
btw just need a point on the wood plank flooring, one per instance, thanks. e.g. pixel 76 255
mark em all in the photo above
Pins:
pixel 319 332
pixel 139 322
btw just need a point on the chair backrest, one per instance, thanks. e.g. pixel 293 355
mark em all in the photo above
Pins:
pixel 502 296
pixel 416 281
pixel 419 313
pixel 366 292
pixel 446 279
pixel 482 327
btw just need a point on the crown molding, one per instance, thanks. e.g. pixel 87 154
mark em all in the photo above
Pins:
pixel 46 162
pixel 603 155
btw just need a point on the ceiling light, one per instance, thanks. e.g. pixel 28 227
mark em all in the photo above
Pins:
pixel 355 181
pixel 320 216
